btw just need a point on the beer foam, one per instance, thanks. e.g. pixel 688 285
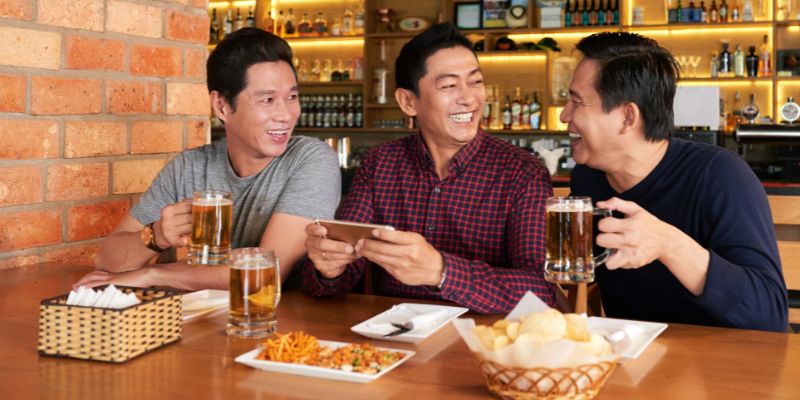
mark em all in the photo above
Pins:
pixel 571 206
pixel 212 202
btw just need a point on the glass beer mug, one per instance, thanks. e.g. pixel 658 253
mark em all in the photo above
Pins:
pixel 570 257
pixel 212 217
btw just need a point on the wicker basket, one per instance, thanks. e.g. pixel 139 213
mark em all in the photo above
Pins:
pixel 581 382
pixel 112 335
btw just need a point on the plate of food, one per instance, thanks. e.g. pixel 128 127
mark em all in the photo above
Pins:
pixel 628 338
pixel 302 354
pixel 422 319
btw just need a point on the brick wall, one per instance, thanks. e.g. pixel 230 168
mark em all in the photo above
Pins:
pixel 95 97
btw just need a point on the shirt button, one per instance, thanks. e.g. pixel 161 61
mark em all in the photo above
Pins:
pixel 437 190
pixel 431 228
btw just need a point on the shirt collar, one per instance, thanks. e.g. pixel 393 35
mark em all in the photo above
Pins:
pixel 459 161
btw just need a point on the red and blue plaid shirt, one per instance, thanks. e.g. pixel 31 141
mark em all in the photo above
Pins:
pixel 487 218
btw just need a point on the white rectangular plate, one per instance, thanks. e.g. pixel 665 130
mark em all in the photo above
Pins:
pixel 415 335
pixel 204 304
pixel 651 331
pixel 249 358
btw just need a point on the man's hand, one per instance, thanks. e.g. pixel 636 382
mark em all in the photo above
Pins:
pixel 407 256
pixel 141 277
pixel 175 225
pixel 330 257
pixel 639 239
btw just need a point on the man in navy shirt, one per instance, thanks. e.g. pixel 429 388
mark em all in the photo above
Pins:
pixel 694 242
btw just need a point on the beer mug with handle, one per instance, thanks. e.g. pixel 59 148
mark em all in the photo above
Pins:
pixel 570 240
pixel 212 217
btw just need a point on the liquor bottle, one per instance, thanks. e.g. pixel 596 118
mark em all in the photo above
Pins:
pixel 747 11
pixel 303 120
pixel 497 112
pixel 568 13
pixel 331 113
pixel 213 32
pixel 592 15
pixel 336 27
pixel 734 11
pixel 280 24
pixel 714 68
pixel 486 114
pixel 585 14
pixel 601 13
pixel 616 13
pixel 358 118
pixel 326 72
pixel 723 12
pixel 738 62
pixel 725 61
pixel 269 23
pixel 752 62
pixel 350 117
pixel 320 25
pixel 320 117
pixel 697 13
pixel 526 113
pixel 347 22
pixel 346 74
pixel 227 28
pixel 765 61
pixel 516 110
pixel 336 75
pixel 312 111
pixel 703 12
pixel 576 14
pixel 507 114
pixel 733 116
pixel 380 77
pixel 304 28
pixel 536 112
pixel 713 12
pixel 360 19
pixel 611 12
pixel 316 66
pixel 750 110
pixel 342 112
pixel 238 23
pixel 251 19
pixel 672 13
pixel 289 24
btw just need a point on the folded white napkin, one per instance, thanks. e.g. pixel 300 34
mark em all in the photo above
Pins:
pixel 110 297
pixel 626 338
pixel 400 314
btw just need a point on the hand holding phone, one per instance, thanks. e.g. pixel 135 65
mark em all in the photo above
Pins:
pixel 349 232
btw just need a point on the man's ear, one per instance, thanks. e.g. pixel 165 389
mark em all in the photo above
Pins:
pixel 632 117
pixel 220 106
pixel 407 101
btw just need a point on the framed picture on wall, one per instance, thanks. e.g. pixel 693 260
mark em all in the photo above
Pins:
pixel 467 15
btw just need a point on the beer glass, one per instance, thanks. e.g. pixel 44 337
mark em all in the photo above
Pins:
pixel 570 241
pixel 255 290
pixel 212 215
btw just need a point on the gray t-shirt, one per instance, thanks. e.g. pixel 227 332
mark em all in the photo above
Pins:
pixel 303 181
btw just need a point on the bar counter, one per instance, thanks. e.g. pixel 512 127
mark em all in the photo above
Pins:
pixel 684 362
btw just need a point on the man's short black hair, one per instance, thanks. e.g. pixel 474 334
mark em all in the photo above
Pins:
pixel 227 65
pixel 410 64
pixel 635 69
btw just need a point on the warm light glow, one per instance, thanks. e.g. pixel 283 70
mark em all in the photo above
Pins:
pixel 512 57
pixel 553 122
pixel 236 4
pixel 324 42
pixel 794 28
pixel 629 13
pixel 712 82
pixel 535 37
pixel 281 3
pixel 703 30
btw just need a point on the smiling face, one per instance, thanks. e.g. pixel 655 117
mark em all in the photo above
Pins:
pixel 266 112
pixel 451 97
pixel 594 133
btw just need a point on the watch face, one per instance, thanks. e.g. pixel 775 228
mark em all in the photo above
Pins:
pixel 790 111
pixel 147 234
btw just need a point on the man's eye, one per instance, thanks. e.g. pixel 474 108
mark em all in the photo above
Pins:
pixel 267 100
pixel 477 82
pixel 293 96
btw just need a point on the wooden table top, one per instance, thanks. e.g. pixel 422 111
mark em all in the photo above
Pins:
pixel 684 362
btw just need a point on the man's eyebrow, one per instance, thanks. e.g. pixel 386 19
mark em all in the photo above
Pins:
pixel 445 76
pixel 266 92
pixel 575 94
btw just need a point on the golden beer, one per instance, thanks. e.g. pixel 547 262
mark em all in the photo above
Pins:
pixel 212 218
pixel 569 233
pixel 255 290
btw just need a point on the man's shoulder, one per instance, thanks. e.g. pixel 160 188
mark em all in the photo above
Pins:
pixel 302 146
pixel 202 154
pixel 500 151
pixel 702 156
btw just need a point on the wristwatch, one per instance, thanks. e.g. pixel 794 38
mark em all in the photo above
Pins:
pixel 149 239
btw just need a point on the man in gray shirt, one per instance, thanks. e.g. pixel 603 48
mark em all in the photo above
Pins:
pixel 279 183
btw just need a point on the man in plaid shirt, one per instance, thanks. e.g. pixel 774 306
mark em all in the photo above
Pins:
pixel 468 208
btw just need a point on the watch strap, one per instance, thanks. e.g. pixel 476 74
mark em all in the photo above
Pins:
pixel 151 243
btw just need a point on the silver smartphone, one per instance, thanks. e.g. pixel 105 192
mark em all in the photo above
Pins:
pixel 349 232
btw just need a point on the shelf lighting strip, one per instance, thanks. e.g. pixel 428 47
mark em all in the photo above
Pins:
pixel 236 4
pixel 324 42
pixel 512 57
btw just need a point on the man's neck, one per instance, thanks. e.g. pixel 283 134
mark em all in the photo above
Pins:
pixel 243 163
pixel 441 156
pixel 636 164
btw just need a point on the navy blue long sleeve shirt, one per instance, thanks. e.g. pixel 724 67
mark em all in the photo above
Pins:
pixel 713 196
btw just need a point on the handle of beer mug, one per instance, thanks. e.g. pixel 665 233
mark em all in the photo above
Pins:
pixel 600 259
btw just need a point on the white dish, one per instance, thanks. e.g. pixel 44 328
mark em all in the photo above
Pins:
pixel 402 313
pixel 204 304
pixel 650 330
pixel 249 359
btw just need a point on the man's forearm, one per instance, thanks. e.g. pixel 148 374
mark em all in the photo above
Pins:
pixel 123 251
pixel 180 275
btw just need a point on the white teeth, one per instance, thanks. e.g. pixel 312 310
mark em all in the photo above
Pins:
pixel 277 133
pixel 463 117
pixel 573 135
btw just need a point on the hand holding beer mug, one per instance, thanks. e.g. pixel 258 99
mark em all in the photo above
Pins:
pixel 212 216
pixel 570 242
pixel 255 290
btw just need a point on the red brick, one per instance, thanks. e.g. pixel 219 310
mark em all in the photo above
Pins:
pixel 20 185
pixel 81 254
pixel 30 48
pixel 65 96
pixel 19 9
pixel 187 99
pixel 198 132
pixel 18 262
pixel 90 221
pixel 195 63
pixel 21 230
pixel 78 14
pixel 12 93
pixel 134 176
pixel 91 53
pixel 24 139
pixel 88 139
pixel 77 181
pixel 187 27
pixel 184 2
pixel 127 97
pixel 155 61
pixel 134 19
pixel 156 137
